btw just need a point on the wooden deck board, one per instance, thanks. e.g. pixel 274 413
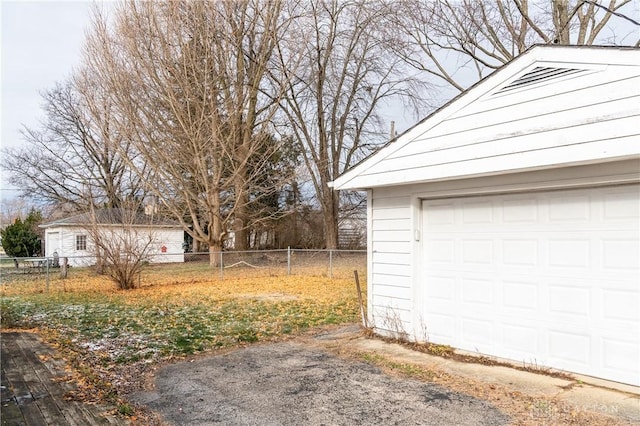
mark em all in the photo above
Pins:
pixel 33 392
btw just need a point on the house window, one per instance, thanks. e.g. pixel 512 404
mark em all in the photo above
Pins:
pixel 81 242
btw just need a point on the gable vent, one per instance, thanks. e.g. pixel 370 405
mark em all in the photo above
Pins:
pixel 539 75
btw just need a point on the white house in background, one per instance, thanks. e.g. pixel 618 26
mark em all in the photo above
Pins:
pixel 70 237
pixel 508 221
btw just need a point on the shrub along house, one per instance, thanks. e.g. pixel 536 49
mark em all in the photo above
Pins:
pixel 72 237
pixel 507 222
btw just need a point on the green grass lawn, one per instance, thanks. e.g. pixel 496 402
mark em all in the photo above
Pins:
pixel 111 336
pixel 173 314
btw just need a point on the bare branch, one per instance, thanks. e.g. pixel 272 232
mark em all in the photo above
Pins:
pixel 441 35
pixel 346 72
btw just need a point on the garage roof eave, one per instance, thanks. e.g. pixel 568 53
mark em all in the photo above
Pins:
pixel 337 186
pixel 589 135
pixel 357 184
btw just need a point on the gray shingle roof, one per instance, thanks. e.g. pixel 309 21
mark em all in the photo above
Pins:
pixel 114 217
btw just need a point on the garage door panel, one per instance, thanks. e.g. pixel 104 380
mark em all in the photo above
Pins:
pixel 617 355
pixel 621 205
pixel 442 287
pixel 572 301
pixel 478 251
pixel 520 252
pixel 477 335
pixel 520 340
pixel 520 295
pixel 574 209
pixel 620 254
pixel 568 350
pixel 439 215
pixel 441 251
pixel 520 211
pixel 478 212
pixel 621 305
pixel 441 329
pixel 569 253
pixel 551 278
pixel 477 291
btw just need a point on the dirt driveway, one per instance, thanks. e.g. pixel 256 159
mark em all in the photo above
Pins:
pixel 290 383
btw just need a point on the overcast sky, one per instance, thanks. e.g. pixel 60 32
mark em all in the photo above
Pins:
pixel 41 43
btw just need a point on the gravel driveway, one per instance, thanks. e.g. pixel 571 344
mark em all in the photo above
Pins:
pixel 290 383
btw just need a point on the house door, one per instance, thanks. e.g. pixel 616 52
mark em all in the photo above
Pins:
pixel 52 243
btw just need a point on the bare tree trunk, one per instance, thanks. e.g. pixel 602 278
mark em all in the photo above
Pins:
pixel 241 236
pixel 63 267
pixel 214 255
pixel 330 218
pixel 216 233
pixel 100 270
pixel 241 222
pixel 561 22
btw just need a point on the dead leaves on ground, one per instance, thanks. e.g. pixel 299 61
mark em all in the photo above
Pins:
pixel 176 315
pixel 112 336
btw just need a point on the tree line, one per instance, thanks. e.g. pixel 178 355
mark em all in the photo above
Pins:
pixel 233 117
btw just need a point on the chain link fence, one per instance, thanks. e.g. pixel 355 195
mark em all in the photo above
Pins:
pixel 338 264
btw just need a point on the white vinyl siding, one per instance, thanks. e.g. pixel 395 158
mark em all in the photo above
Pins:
pixel 587 117
pixel 390 275
pixel 76 245
pixel 585 133
pixel 68 244
pixel 496 127
pixel 172 239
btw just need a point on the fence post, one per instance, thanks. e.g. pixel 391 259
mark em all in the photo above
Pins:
pixel 360 301
pixel 330 264
pixel 46 261
pixel 289 260
pixel 221 267
pixel 63 267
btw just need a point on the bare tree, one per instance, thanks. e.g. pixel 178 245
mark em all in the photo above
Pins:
pixel 459 42
pixel 345 75
pixel 74 152
pixel 123 242
pixel 188 80
pixel 12 209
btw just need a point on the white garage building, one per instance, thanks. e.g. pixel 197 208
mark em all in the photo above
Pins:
pixel 72 237
pixel 508 222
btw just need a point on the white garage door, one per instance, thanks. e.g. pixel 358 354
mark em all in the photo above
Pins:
pixel 547 278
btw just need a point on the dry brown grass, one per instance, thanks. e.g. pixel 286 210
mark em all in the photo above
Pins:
pixel 266 267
